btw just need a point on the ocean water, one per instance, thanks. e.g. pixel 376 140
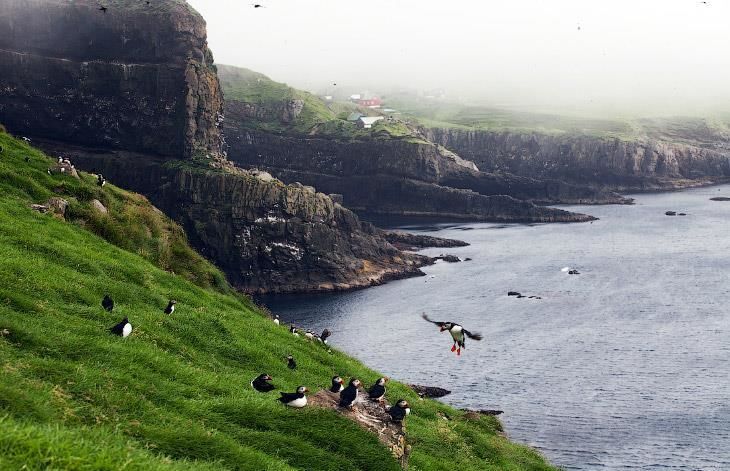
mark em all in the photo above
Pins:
pixel 625 366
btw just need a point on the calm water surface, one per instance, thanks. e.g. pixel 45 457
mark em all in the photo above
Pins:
pixel 626 366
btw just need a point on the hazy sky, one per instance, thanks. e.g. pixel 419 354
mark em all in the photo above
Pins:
pixel 654 56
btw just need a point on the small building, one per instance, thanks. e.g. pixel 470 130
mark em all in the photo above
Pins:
pixel 366 122
pixel 327 97
pixel 373 102
pixel 354 116
pixel 355 97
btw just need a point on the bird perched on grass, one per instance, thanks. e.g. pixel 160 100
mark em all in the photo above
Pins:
pixel 337 384
pixel 276 319
pixel 293 330
pixel 325 335
pixel 399 411
pixel 348 396
pixel 457 333
pixel 170 307
pixel 100 180
pixel 123 329
pixel 377 391
pixel 261 383
pixel 297 399
pixel 107 303
pixel 291 363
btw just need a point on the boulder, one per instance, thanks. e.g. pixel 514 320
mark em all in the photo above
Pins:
pixel 671 213
pixel 57 206
pixel 98 206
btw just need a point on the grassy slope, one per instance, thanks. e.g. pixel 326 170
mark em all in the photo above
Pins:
pixel 317 117
pixel 176 394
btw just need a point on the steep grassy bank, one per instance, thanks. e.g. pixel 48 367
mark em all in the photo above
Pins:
pixel 176 394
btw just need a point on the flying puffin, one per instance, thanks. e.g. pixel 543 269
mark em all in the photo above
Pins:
pixel 348 396
pixel 261 383
pixel 399 411
pixel 297 399
pixel 337 385
pixel 377 391
pixel 123 329
pixel 170 307
pixel 276 319
pixel 291 363
pixel 457 333
pixel 107 303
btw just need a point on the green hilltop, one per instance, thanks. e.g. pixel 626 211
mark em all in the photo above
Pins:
pixel 318 118
pixel 176 393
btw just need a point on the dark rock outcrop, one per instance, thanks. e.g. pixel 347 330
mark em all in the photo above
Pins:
pixel 720 198
pixel 408 241
pixel 429 391
pixel 622 164
pixel 138 78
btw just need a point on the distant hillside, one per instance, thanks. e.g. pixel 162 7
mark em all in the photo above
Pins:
pixel 176 393
pixel 278 108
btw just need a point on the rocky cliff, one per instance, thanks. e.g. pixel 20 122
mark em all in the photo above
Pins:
pixel 623 164
pixel 137 76
pixel 397 175
pixel 132 92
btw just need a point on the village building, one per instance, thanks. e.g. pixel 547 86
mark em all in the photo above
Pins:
pixel 366 122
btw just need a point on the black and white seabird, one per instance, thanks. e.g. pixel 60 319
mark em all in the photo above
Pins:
pixel 107 303
pixel 337 384
pixel 100 180
pixel 291 363
pixel 377 391
pixel 457 333
pixel 399 411
pixel 123 329
pixel 276 319
pixel 325 335
pixel 261 383
pixel 309 335
pixel 293 330
pixel 348 396
pixel 297 399
pixel 170 307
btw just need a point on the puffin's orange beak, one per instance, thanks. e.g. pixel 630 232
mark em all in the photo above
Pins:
pixel 342 381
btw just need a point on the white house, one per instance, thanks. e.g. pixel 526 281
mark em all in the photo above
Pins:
pixel 366 122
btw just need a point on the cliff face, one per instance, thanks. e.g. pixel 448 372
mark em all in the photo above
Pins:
pixel 620 164
pixel 398 176
pixel 267 236
pixel 137 77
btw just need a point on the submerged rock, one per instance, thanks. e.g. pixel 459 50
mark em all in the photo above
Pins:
pixel 429 391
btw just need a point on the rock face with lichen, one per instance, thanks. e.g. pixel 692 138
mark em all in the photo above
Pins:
pixel 137 77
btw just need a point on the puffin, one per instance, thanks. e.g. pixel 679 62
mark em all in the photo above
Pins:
pixel 123 329
pixel 296 399
pixel 337 384
pixel 170 307
pixel 276 319
pixel 325 335
pixel 399 411
pixel 309 335
pixel 107 303
pixel 457 333
pixel 100 180
pixel 348 396
pixel 261 383
pixel 293 330
pixel 291 363
pixel 377 391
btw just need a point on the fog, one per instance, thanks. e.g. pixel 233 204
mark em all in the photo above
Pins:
pixel 646 57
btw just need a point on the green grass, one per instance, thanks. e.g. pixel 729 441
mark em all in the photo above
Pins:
pixel 175 394
pixel 320 119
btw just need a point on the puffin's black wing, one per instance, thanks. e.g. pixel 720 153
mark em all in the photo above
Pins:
pixel 288 397
pixel 118 329
pixel 262 386
pixel 325 334
pixel 474 335
pixel 348 396
pixel 377 391
pixel 440 324
pixel 397 413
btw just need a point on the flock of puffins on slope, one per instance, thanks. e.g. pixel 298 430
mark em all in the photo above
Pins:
pixel 350 394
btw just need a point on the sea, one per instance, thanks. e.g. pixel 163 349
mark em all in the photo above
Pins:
pixel 624 366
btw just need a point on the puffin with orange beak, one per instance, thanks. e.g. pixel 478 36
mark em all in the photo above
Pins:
pixel 296 399
pixel 457 332
pixel 337 384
